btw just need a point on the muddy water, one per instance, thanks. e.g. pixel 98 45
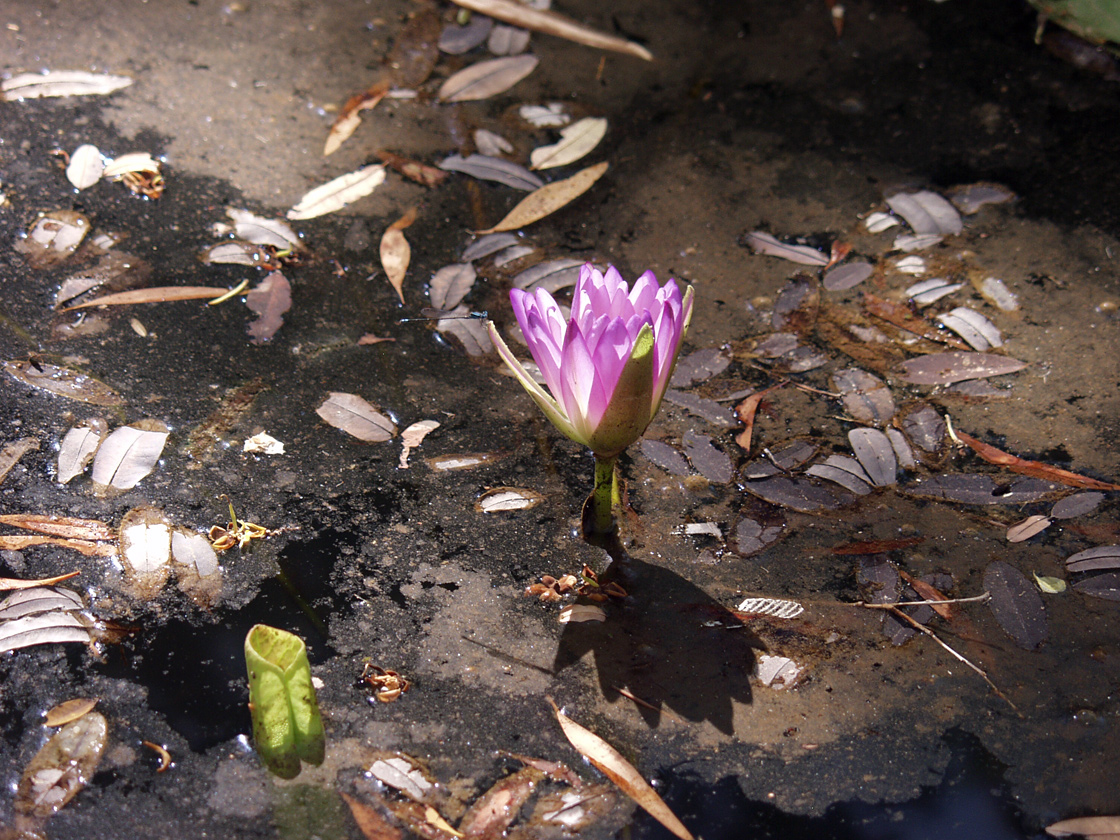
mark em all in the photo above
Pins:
pixel 758 119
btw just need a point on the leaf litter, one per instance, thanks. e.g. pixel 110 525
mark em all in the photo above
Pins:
pixel 396 253
pixel 356 417
pixel 549 198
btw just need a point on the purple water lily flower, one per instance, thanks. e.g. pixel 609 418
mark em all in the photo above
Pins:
pixel 608 365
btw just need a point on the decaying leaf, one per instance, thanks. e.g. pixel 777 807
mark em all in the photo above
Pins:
pixel 451 284
pixel 356 417
pixel 551 23
pixel 1091 828
pixel 457 38
pixel 1036 469
pixel 41 615
pixel 336 194
pixel 579 613
pixel 53 238
pixel 698 366
pixel 507 40
pixel 421 173
pixel 64 765
pixel 146 550
pixel 1016 605
pixel 763 243
pixel 8 584
pixel 549 198
pixel 616 768
pixel 12 452
pixel 491 814
pixel 396 252
pixel 846 276
pixel 1078 504
pixel 402 773
pixel 60 526
pixel 947 368
pixel 1106 586
pixel 500 499
pixel 799 494
pixel 875 454
pixel 493 169
pixel 715 413
pixel 464 461
pixel 271 298
pixel 576 141
pixel 69 711
pixel 64 382
pixel 413 436
pixel 155 294
pixel 62 83
pixel 866 397
pixel 711 462
pixel 128 454
pixel 974 489
pixel 487 78
pixel 1049 585
pixel 350 116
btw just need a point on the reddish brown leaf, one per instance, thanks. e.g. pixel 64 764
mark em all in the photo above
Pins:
pixel 7 584
pixel 19 542
pixel 1035 469
pixel 60 526
pixel 429 176
pixel 370 822
pixel 746 411
pixel 877 546
pixel 349 118
pixel 903 317
pixel 270 300
pixel 929 593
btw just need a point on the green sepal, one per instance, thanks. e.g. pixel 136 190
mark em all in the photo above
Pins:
pixel 628 412
pixel 285 712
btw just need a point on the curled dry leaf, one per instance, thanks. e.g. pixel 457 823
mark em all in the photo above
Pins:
pixel 396 252
pixel 356 417
pixel 8 584
pixel 980 333
pixel 129 454
pixel 63 83
pixel 336 194
pixel 551 23
pixel 60 526
pixel 131 162
pixel 579 613
pixel 487 78
pixel 269 301
pixel 350 116
pixel 64 382
pixel 620 771
pixel 549 198
pixel 576 141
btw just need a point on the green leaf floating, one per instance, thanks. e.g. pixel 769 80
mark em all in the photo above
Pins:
pixel 286 722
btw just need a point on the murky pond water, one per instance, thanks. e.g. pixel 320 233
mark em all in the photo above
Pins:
pixel 753 119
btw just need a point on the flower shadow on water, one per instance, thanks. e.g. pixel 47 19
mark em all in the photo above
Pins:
pixel 668 643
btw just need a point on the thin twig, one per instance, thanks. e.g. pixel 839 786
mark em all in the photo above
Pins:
pixel 974 599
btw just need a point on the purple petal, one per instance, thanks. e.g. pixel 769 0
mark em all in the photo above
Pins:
pixel 582 394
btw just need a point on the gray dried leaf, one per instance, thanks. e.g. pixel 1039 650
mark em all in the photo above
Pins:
pixel 336 194
pixel 969 198
pixel 698 366
pixel 85 167
pixel 63 83
pixel 710 462
pixel 64 382
pixel 776 345
pixel 53 238
pixel 78 447
pixel 925 292
pixel 995 291
pixel 866 397
pixel 470 332
pixel 763 243
pixel 501 499
pixel 800 494
pixel 980 333
pixel 129 454
pixel 514 252
pixel 752 535
pixel 551 275
pixel 235 253
pixel 796 308
pixel 39 599
pixel 552 115
pixel 927 213
pixel 1106 586
pixel 972 489
pixel 63 766
pixel 846 276
pixel 271 298
pixel 665 456
pixel 451 284
pixel 956 366
pixel 1078 504
pixel 1093 559
pixel 875 454
pixel 484 246
pixel 924 428
pixel 576 141
pixel 263 231
pixel 1029 527
pixel 487 78
pixel 712 411
pixel 1016 605
pixel 915 241
pixel 902 450
pixel 507 40
pixel 456 39
pixel 844 471
pixel 356 417
pixel 490 143
pixel 493 169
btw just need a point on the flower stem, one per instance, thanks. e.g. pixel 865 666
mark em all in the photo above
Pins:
pixel 606 494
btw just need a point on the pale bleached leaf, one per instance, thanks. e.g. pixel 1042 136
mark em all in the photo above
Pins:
pixel 491 144
pixel 579 613
pixel 507 40
pixel 1027 528
pixel 269 301
pixel 980 333
pixel 145 541
pixel 86 166
pixel 996 292
pixel 493 169
pixel 1091 828
pixel 763 243
pixel 451 284
pixel 487 78
pixel 620 771
pixel 500 499
pixel 64 382
pixel 53 238
pixel 155 294
pixel 552 115
pixel 42 629
pixel 946 368
pixel 927 213
pixel 39 599
pixel 336 194
pixel 356 417
pixel 403 774
pixel 263 231
pixel 194 551
pixel 78 447
pixel 550 275
pixel 549 198
pixel 846 276
pixel 62 767
pixel 63 83
pixel 576 141
pixel 925 292
pixel 130 162
pixel 128 454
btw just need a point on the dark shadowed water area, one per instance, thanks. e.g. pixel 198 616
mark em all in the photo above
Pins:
pixel 753 116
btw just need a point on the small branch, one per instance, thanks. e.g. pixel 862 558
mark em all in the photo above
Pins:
pixel 974 599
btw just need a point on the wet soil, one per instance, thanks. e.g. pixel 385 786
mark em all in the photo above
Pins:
pixel 757 117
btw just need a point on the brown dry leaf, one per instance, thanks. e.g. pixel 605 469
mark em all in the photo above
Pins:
pixel 370 822
pixel 159 294
pixel 8 584
pixel 396 252
pixel 18 542
pixel 746 411
pixel 1035 469
pixel 69 710
pixel 64 382
pixel 269 300
pixel 370 338
pixel 551 23
pixel 548 199
pixel 339 192
pixel 421 173
pixel 63 766
pixel 350 117
pixel 12 452
pixel 904 318
pixel 60 526
pixel 356 417
pixel 620 771
pixel 929 593
pixel 1093 828
pixel 491 814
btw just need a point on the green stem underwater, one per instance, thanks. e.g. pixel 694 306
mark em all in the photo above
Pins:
pixel 606 495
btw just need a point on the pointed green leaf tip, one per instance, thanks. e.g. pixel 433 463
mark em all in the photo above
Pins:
pixel 282 702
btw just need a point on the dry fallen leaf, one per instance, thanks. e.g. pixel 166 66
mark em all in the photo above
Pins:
pixel 356 417
pixel 451 284
pixel 548 199
pixel 421 173
pixel 64 382
pixel 350 117
pixel 576 141
pixel 128 454
pixel 1092 828
pixel 336 194
pixel 12 452
pixel 487 78
pixel 413 436
pixel 269 300
pixel 1036 469
pixel 157 294
pixel 396 252
pixel 86 166
pixel 75 83
pixel 8 584
pixel 69 710
pixel 620 771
